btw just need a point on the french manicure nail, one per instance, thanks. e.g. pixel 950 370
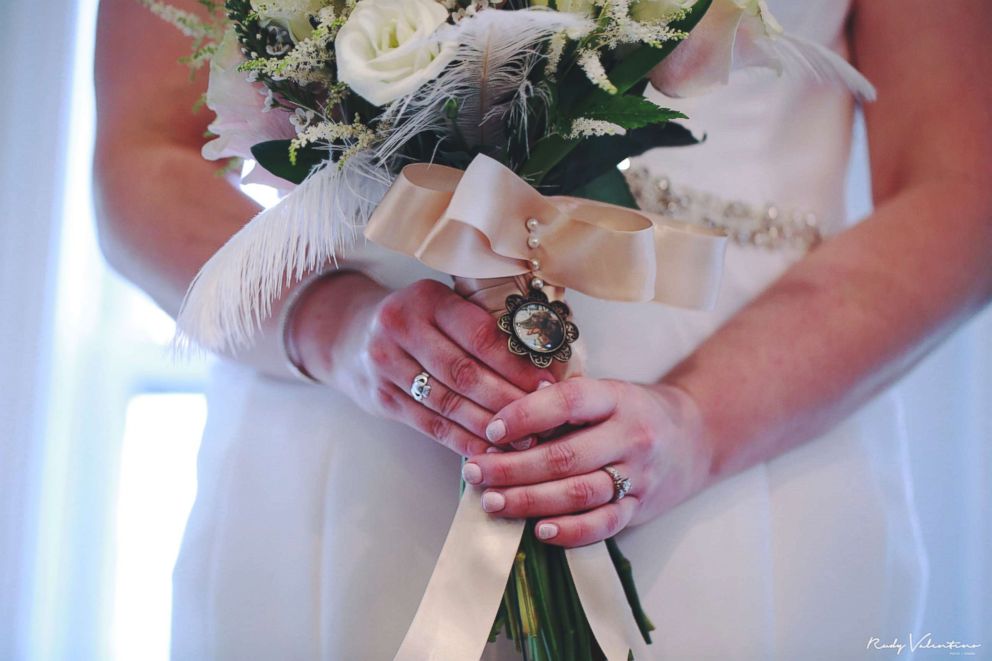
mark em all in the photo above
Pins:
pixel 472 473
pixel 493 450
pixel 547 531
pixel 493 501
pixel 525 444
pixel 544 384
pixel 496 430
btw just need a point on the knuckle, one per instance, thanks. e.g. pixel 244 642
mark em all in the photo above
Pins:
pixel 641 436
pixel 571 395
pixel 379 353
pixel 464 373
pixel 385 397
pixel 427 288
pixel 392 316
pixel 526 501
pixel 561 458
pixel 500 472
pixel 440 429
pixel 612 521
pixel 581 532
pixel 581 494
pixel 483 340
pixel 449 403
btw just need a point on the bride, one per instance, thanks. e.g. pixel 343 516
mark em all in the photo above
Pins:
pixel 769 515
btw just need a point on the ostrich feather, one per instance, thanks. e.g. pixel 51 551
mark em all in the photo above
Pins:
pixel 233 293
pixel 496 51
pixel 800 57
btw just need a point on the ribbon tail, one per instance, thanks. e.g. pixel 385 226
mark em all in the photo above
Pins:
pixel 605 603
pixel 459 605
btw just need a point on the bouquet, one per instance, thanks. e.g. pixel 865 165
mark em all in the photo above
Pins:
pixel 481 137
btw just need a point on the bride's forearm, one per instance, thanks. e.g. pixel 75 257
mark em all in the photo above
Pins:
pixel 842 324
pixel 162 212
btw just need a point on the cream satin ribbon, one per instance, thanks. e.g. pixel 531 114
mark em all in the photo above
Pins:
pixel 472 225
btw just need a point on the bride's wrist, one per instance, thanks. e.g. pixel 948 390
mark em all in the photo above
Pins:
pixel 322 334
pixel 691 418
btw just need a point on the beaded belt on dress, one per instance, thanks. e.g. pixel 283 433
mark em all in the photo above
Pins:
pixel 768 226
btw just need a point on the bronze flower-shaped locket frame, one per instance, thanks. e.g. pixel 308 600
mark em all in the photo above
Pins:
pixel 538 328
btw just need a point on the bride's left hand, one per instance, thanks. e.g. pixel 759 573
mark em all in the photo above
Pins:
pixel 651 434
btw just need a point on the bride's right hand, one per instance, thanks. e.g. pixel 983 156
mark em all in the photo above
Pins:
pixel 370 343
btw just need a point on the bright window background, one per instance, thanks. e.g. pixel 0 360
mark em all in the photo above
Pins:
pixel 129 415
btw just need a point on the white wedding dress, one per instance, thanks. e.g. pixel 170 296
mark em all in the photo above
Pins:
pixel 316 526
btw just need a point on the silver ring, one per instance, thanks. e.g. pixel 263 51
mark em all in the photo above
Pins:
pixel 420 390
pixel 621 484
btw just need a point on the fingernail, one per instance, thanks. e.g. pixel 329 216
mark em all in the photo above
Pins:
pixel 525 444
pixel 544 384
pixel 496 430
pixel 493 501
pixel 472 473
pixel 547 531
pixel 493 450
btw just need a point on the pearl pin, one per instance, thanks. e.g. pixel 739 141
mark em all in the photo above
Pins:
pixel 533 224
pixel 533 242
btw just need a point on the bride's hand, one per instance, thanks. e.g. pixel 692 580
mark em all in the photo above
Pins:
pixel 651 434
pixel 391 337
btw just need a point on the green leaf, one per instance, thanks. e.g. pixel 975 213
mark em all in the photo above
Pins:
pixel 627 75
pixel 636 66
pixel 594 156
pixel 609 187
pixel 631 112
pixel 274 157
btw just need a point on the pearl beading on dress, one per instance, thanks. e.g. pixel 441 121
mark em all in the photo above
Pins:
pixel 768 226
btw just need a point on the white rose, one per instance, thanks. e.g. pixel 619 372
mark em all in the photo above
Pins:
pixel 388 48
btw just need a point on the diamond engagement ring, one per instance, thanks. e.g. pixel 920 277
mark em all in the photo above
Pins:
pixel 420 390
pixel 621 484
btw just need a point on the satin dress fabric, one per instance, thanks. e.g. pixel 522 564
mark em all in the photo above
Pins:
pixel 316 526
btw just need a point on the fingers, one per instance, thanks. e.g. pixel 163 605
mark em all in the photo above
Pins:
pixel 461 372
pixel 574 401
pixel 475 331
pixel 407 318
pixel 582 529
pixel 578 453
pixel 443 430
pixel 568 496
pixel 442 399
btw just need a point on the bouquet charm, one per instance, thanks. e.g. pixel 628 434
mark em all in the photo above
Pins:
pixel 538 328
pixel 482 138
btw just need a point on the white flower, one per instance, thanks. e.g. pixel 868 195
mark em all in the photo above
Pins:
pixel 728 37
pixel 241 120
pixel 584 127
pixel 390 48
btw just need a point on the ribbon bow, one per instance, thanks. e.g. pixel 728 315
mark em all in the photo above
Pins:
pixel 472 224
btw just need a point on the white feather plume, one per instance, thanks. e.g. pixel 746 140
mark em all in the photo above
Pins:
pixel 496 52
pixel 801 57
pixel 310 227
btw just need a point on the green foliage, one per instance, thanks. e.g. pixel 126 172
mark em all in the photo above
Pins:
pixel 276 157
pixel 610 187
pixel 631 112
pixel 595 156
